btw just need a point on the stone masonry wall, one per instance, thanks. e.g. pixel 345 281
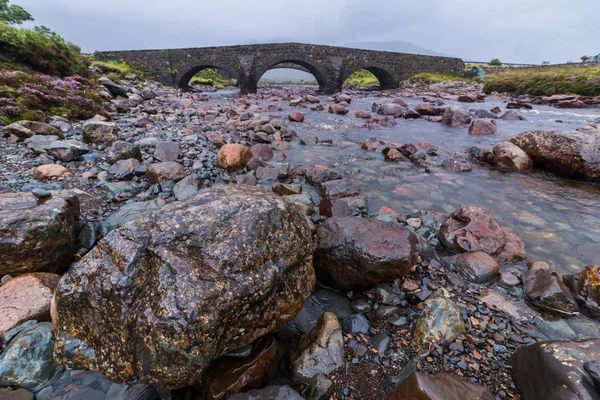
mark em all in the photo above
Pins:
pixel 330 65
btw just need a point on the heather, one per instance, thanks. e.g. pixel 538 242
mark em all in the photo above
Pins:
pixel 33 96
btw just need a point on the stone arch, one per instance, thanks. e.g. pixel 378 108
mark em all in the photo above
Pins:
pixel 184 81
pixel 385 75
pixel 324 80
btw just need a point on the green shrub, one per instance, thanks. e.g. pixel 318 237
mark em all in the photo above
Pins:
pixel 496 63
pixel 42 50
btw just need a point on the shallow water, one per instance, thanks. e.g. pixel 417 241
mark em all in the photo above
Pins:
pixel 557 218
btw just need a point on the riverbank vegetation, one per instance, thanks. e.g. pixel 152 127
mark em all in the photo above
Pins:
pixel 361 78
pixel 430 78
pixel 210 77
pixel 41 74
pixel 547 81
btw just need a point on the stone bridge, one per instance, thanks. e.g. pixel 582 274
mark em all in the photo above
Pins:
pixel 330 65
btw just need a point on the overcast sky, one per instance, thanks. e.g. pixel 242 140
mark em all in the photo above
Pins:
pixel 478 30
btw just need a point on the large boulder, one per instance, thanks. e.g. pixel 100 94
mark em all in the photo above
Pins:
pixel 50 171
pixel 358 252
pixel 481 127
pixel 442 386
pixel 115 89
pixel 27 359
pixel 509 156
pixel 554 370
pixel 162 296
pixel 37 235
pixel 27 129
pixel 165 171
pixel 26 297
pixel 67 150
pixel 575 154
pixel 121 150
pixel 99 132
pixel 473 229
pixel 128 212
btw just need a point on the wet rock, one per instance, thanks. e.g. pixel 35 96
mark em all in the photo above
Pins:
pixel 428 109
pixel 321 351
pixel 164 172
pixel 510 116
pixel 574 103
pixel 585 287
pixel 514 249
pixel 285 189
pixel 338 109
pixel 233 156
pixel 381 343
pixel 37 235
pixel 554 370
pixel 439 322
pixel 128 212
pixel 166 151
pixel 363 115
pixel 296 116
pixel 99 132
pixel 477 267
pixel 339 188
pixel 473 229
pixel 73 384
pixel 124 105
pixel 309 140
pixel 519 106
pixel 192 259
pixel 187 187
pixel 269 393
pixel 483 113
pixel 444 386
pixel 343 207
pixel 508 156
pixel 27 129
pixel 481 127
pixel 456 116
pixel 67 150
pixel 355 323
pixel 572 154
pixel 357 252
pixel 26 297
pixel 546 291
pixel 263 151
pixel 123 170
pixel 39 144
pixel 87 235
pixel 319 174
pixel 457 163
pixel 114 89
pixel 50 171
pixel 27 357
pixel 467 98
pixel 392 109
pixel 235 375
pixel 41 193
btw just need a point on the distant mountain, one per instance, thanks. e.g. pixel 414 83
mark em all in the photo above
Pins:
pixel 398 46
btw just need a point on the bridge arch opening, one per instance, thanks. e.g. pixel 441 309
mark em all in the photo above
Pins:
pixel 370 77
pixel 300 72
pixel 207 75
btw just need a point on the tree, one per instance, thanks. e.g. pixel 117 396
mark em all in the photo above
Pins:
pixel 496 62
pixel 13 14
pixel 584 58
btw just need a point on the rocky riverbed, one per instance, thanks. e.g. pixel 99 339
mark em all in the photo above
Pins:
pixel 288 245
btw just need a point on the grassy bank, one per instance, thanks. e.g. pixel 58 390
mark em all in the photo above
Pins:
pixel 430 78
pixel 581 80
pixel 209 77
pixel 361 78
pixel 116 71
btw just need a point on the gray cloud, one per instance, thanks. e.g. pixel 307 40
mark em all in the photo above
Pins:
pixel 513 30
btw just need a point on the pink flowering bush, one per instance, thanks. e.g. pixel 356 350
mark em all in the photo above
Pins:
pixel 33 96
